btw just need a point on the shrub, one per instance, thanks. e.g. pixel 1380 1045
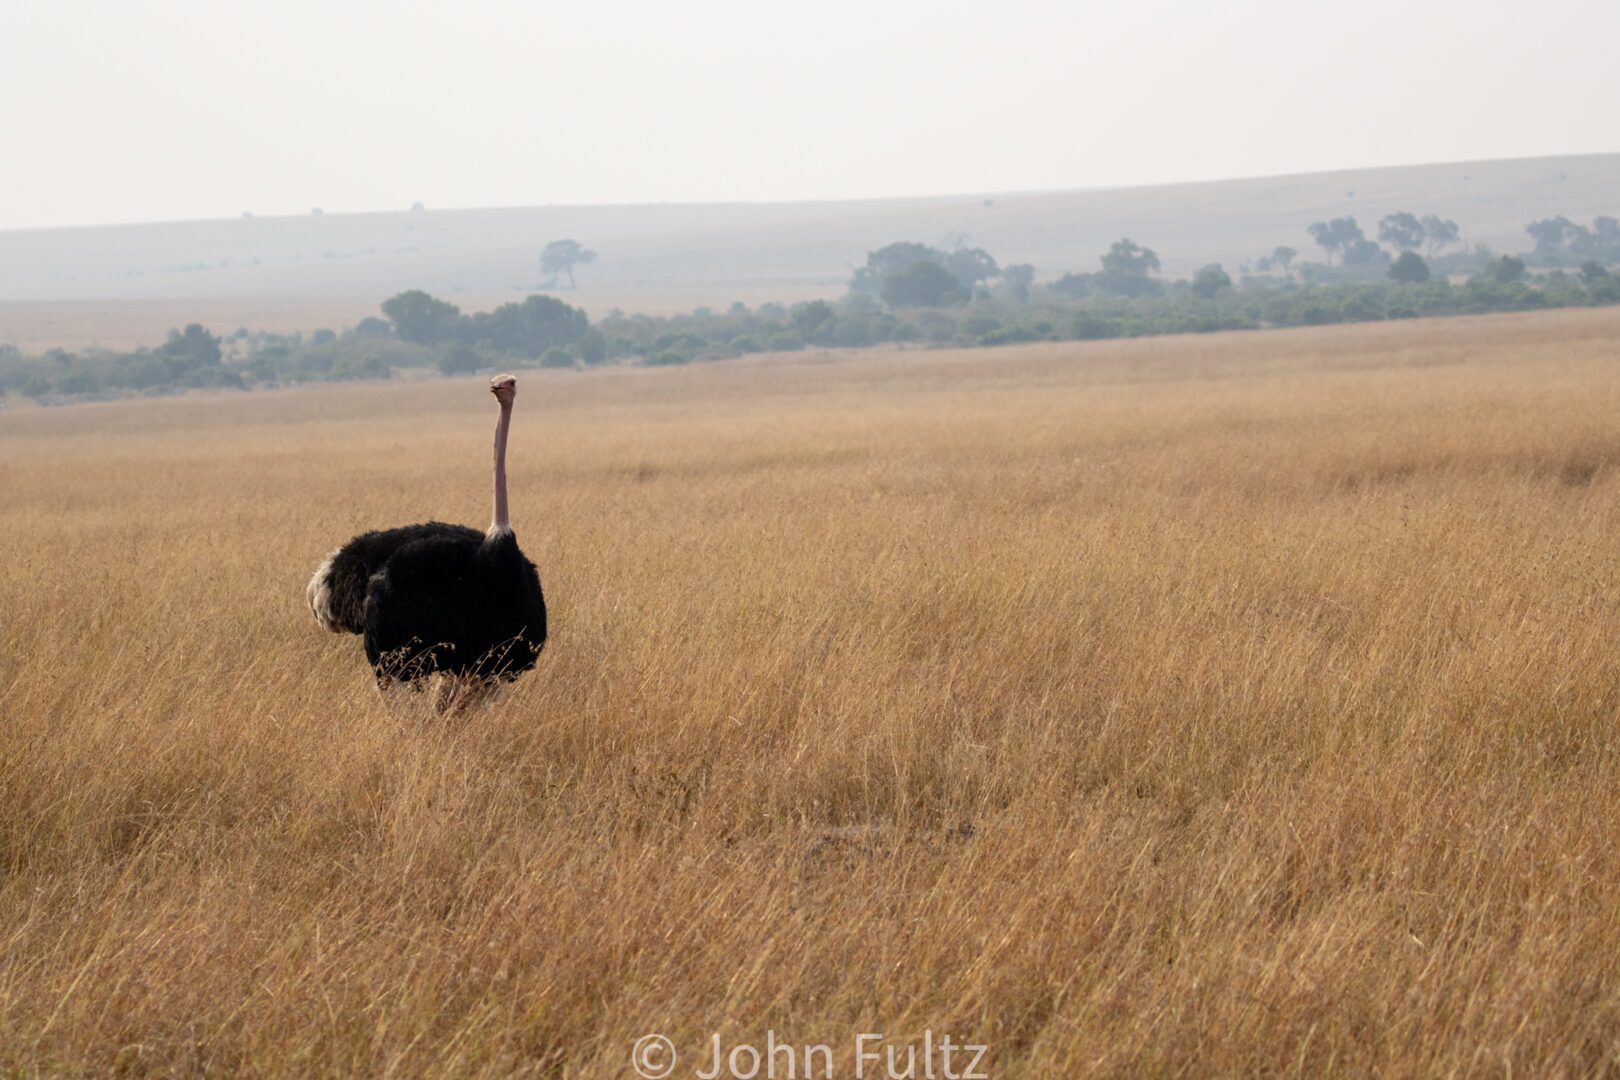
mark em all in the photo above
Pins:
pixel 459 359
pixel 1092 327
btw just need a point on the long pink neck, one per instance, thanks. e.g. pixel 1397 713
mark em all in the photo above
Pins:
pixel 501 522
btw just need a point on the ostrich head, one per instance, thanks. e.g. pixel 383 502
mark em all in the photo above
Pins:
pixel 504 387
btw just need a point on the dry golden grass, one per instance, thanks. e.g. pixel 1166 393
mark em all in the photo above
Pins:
pixel 1227 705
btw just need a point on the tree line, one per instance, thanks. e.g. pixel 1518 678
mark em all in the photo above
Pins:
pixel 954 294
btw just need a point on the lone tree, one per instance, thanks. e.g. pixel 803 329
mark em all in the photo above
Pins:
pixel 560 257
pixel 1283 257
pixel 1409 268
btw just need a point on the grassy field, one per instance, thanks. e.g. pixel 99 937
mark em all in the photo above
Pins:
pixel 1209 705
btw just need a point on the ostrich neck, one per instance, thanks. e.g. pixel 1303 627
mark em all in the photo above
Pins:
pixel 501 521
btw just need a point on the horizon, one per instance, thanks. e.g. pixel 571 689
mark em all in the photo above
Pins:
pixel 1008 193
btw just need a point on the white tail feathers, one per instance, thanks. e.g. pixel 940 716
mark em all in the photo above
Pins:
pixel 319 593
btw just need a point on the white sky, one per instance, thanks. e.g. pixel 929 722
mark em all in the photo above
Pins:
pixel 130 111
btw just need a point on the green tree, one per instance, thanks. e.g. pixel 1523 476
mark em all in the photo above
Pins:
pixel 1438 233
pixel 1409 268
pixel 1337 236
pixel 1550 233
pixel 970 266
pixel 891 259
pixel 1018 278
pixel 1506 270
pixel 531 327
pixel 591 346
pixel 194 346
pixel 1589 242
pixel 1128 257
pixel 420 318
pixel 1284 257
pixel 560 257
pixel 923 284
pixel 1209 281
pixel 1364 252
pixel 1602 241
pixel 1401 231
pixel 809 318
pixel 1126 267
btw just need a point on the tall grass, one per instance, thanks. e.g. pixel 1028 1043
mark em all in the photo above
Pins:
pixel 1209 705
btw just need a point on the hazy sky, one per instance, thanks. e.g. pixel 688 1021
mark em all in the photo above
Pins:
pixel 130 111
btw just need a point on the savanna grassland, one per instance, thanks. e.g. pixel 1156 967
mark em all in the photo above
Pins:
pixel 1208 705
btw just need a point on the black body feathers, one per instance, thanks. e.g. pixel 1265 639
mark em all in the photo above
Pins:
pixel 435 598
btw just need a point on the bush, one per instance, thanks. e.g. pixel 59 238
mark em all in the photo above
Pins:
pixel 1604 290
pixel 459 359
pixel 368 366
pixel 1409 268
pixel 1209 281
pixel 1092 327
pixel 591 346
pixel 1009 335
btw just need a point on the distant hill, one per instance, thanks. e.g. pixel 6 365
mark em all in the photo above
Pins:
pixel 312 270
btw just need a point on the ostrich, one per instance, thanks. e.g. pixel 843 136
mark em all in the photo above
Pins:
pixel 438 599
